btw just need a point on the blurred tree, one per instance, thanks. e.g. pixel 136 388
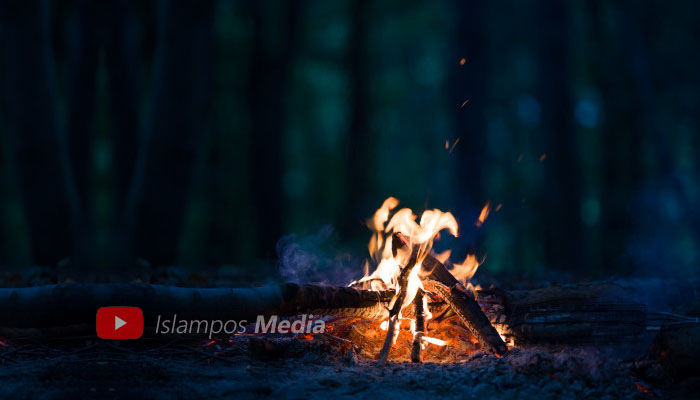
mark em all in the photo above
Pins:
pixel 175 129
pixel 102 28
pixel 563 221
pixel 273 54
pixel 359 146
pixel 470 96
pixel 54 215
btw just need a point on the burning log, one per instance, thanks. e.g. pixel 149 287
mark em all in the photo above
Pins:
pixel 467 309
pixel 396 305
pixel 461 302
pixel 76 303
pixel 419 327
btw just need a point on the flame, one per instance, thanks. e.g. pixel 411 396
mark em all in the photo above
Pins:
pixel 465 270
pixel 419 232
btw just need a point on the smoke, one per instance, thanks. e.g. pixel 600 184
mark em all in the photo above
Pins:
pixel 315 258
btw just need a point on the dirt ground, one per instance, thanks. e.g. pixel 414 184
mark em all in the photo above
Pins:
pixel 313 369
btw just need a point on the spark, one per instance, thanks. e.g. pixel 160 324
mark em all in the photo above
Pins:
pixel 453 145
pixel 484 214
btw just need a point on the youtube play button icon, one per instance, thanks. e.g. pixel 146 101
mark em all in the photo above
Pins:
pixel 119 323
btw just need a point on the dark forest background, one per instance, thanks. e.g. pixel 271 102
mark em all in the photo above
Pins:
pixel 199 133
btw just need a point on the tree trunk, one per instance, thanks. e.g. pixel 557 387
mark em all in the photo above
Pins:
pixel 270 69
pixel 469 83
pixel 182 85
pixel 557 118
pixel 51 205
pixel 359 149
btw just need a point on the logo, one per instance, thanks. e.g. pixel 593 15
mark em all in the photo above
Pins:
pixel 119 323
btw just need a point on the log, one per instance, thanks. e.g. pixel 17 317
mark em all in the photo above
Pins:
pixel 461 302
pixel 467 309
pixel 68 304
pixel 419 328
pixel 603 312
pixel 396 305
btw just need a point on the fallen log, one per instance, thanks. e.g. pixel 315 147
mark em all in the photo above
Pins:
pixel 593 312
pixel 68 304
pixel 462 303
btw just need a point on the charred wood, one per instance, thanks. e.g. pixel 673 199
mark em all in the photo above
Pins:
pixel 419 327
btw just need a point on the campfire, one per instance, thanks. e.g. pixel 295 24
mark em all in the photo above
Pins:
pixel 411 304
pixel 401 251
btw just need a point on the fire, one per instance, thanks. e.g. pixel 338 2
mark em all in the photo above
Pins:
pixel 420 233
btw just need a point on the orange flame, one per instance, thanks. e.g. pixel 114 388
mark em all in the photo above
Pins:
pixel 465 270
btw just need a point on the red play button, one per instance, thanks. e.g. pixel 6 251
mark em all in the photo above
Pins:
pixel 119 323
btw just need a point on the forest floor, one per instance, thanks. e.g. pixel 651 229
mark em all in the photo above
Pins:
pixel 86 368
pixel 78 365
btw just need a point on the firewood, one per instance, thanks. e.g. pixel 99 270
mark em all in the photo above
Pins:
pixel 60 305
pixel 396 305
pixel 467 309
pixel 419 327
pixel 593 312
pixel 461 302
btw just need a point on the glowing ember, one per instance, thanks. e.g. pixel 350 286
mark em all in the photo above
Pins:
pixel 643 389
